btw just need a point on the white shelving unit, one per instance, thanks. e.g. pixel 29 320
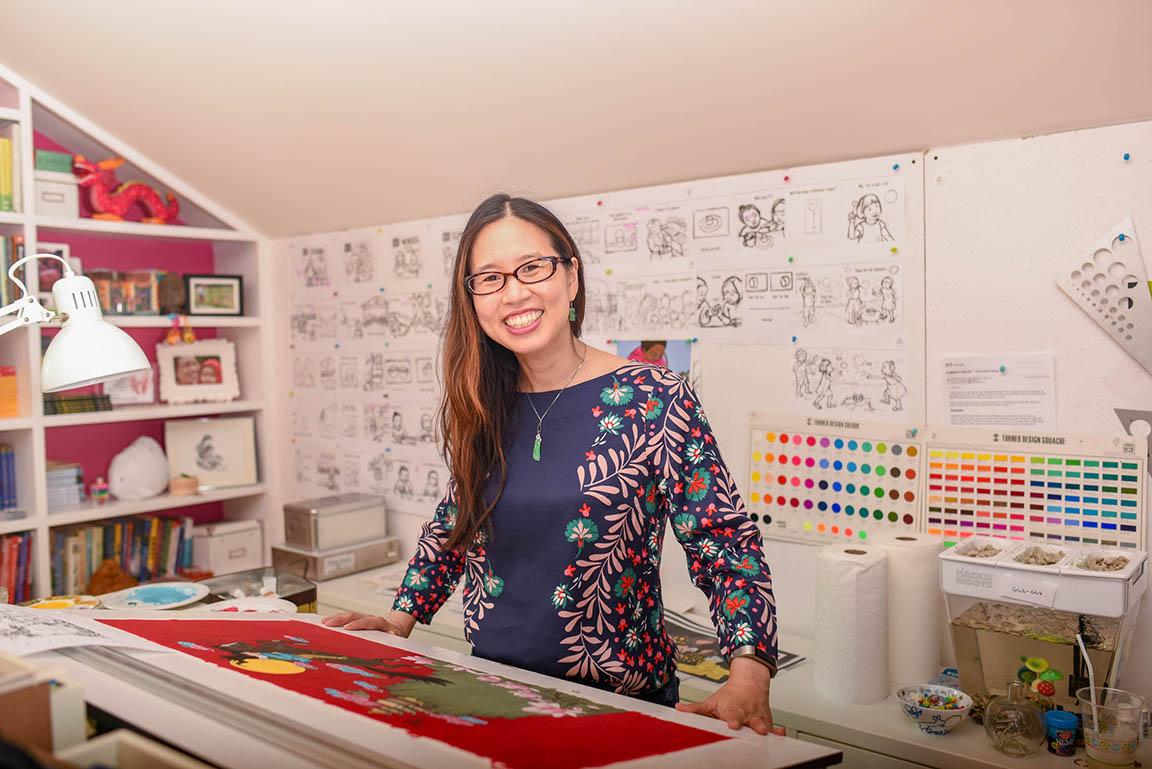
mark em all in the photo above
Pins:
pixel 237 250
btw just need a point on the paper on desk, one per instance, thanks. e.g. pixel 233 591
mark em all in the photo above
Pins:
pixel 29 631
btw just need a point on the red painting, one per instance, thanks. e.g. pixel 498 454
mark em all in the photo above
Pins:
pixel 516 725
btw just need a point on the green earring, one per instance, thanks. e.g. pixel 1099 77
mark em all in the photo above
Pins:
pixel 571 313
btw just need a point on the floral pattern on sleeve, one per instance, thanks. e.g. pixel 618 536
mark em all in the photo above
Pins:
pixel 433 573
pixel 654 457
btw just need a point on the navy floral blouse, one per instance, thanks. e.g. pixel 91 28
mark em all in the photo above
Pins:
pixel 568 584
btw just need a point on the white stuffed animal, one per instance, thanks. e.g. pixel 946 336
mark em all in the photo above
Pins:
pixel 139 471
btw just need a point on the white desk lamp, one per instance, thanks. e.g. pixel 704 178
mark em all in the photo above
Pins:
pixel 88 348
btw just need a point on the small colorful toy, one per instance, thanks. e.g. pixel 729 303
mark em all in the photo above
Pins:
pixel 113 200
pixel 99 491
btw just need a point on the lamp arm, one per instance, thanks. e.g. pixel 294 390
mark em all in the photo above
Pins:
pixel 26 308
pixel 24 289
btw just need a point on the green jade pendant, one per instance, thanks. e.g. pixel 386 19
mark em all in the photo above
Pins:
pixel 536 448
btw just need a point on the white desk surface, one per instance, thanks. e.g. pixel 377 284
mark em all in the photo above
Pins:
pixel 218 742
pixel 881 727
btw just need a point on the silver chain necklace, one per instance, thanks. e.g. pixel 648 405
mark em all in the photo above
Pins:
pixel 540 417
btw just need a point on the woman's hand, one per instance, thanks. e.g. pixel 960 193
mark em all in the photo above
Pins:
pixel 396 623
pixel 742 700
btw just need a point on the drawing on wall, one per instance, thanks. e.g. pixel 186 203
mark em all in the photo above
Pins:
pixel 449 244
pixel 328 420
pixel 303 465
pixel 756 282
pixel 710 223
pixel 619 238
pixel 304 323
pixel 349 420
pixel 328 372
pixel 587 235
pixel 351 320
pixel 756 229
pixel 601 306
pixel 408 262
pixel 426 370
pixel 350 472
pixel 807 301
pixel 303 372
pixel 349 377
pixel 849 381
pixel 398 371
pixel 482 714
pixel 718 301
pixel 312 266
pixel 377 422
pixel 358 261
pixel 865 222
pixel 405 315
pixel 374 378
pixel 813 217
pixel 657 304
pixel 328 472
pixel 667 237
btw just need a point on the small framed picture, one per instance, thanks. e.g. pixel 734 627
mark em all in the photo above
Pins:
pixel 48 271
pixel 133 389
pixel 220 452
pixel 214 294
pixel 197 372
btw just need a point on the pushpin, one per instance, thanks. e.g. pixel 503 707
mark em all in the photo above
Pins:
pixel 694 340
pixel 790 260
pixel 894 249
pixel 337 345
pixel 599 202
pixel 1003 369
pixel 429 285
pixel 381 289
pixel 787 178
pixel 896 167
pixel 1127 157
pixel 1123 237
pixel 913 432
pixel 291 394
pixel 608 271
pixel 793 340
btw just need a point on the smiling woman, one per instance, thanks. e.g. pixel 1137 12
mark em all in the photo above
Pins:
pixel 567 464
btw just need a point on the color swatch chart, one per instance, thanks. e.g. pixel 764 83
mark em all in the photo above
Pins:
pixel 1081 491
pixel 827 480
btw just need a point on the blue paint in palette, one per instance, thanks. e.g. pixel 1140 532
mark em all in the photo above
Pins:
pixel 159 595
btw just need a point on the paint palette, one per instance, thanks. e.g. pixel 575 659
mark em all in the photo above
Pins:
pixel 158 595
pixel 1054 488
pixel 821 480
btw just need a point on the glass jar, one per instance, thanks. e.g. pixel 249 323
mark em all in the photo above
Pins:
pixel 1014 723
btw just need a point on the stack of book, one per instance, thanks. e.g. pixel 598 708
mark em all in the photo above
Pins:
pixel 16 565
pixel 11 251
pixel 65 485
pixel 76 404
pixel 147 547
pixel 9 499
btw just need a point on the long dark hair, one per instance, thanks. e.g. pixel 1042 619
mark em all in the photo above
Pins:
pixel 481 377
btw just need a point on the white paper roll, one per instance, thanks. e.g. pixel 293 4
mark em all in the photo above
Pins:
pixel 851 638
pixel 915 607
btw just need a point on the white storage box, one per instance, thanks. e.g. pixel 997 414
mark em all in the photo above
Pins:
pixel 56 194
pixel 1062 586
pixel 228 546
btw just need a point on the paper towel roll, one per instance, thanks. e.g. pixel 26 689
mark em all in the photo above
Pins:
pixel 851 637
pixel 915 607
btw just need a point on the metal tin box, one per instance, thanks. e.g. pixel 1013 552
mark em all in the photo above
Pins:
pixel 334 521
pixel 329 564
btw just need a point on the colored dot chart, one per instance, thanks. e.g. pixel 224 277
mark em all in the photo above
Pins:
pixel 1082 491
pixel 826 480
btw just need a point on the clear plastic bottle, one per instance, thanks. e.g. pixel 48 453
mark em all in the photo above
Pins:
pixel 1014 724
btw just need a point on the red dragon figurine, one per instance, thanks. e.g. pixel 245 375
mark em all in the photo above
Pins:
pixel 113 201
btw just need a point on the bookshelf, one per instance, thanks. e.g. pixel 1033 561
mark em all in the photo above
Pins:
pixel 226 244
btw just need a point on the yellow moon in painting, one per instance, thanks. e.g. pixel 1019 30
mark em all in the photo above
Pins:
pixel 271 667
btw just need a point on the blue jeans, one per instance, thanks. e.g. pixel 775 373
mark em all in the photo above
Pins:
pixel 667 695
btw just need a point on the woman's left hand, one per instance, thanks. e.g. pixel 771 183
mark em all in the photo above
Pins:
pixel 742 700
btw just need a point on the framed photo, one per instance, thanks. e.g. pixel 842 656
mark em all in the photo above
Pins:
pixel 48 271
pixel 220 452
pixel 197 372
pixel 133 389
pixel 214 294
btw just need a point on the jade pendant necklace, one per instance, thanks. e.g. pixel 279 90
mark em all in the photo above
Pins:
pixel 540 417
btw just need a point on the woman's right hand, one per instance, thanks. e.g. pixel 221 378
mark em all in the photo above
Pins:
pixel 354 620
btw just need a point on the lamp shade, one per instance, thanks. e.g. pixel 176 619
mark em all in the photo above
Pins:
pixel 88 348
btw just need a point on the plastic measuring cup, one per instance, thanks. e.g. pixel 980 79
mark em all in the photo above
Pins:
pixel 1113 728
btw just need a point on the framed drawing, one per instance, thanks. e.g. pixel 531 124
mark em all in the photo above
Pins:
pixel 220 452
pixel 214 294
pixel 199 371
pixel 133 389
pixel 48 271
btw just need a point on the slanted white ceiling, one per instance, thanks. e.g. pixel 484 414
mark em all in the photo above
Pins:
pixel 311 116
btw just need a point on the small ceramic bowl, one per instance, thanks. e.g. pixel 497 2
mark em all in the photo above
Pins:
pixel 934 720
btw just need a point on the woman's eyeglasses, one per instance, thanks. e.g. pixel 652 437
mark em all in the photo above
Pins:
pixel 533 271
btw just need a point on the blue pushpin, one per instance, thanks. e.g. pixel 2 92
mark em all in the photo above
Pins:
pixel 1123 237
pixel 694 340
pixel 896 167
pixel 913 432
pixel 381 289
pixel 793 340
pixel 1003 369
pixel 1127 157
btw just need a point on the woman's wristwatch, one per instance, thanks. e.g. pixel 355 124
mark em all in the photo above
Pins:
pixel 753 653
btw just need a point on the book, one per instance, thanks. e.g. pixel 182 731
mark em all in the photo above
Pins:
pixel 7 185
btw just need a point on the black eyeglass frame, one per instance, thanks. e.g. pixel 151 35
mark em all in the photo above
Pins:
pixel 553 260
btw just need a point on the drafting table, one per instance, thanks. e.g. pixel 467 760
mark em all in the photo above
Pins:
pixel 216 714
